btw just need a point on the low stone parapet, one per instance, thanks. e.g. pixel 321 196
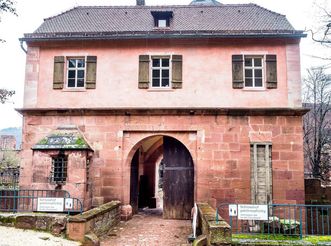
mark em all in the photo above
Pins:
pixel 216 232
pixel 90 225
pixel 53 223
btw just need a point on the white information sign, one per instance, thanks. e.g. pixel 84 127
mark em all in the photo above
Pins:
pixel 252 212
pixel 233 210
pixel 50 204
pixel 68 203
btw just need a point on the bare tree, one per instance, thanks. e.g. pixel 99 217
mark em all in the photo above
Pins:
pixel 6 6
pixel 316 123
pixel 322 34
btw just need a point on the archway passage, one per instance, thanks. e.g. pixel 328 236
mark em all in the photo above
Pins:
pixel 167 156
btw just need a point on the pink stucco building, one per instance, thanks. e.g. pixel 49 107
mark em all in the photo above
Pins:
pixel 164 106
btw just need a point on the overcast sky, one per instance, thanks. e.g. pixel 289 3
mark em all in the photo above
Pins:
pixel 302 15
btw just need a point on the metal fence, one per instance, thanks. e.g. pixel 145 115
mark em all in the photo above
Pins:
pixel 14 200
pixel 283 219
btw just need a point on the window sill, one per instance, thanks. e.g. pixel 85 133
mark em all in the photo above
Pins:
pixel 74 90
pixel 161 29
pixel 160 89
pixel 254 89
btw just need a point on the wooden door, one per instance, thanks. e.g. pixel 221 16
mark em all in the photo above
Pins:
pixel 134 182
pixel 178 180
pixel 261 174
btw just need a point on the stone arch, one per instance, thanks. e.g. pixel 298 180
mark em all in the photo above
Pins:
pixel 132 141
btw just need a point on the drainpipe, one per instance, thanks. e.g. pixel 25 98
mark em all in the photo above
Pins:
pixel 22 47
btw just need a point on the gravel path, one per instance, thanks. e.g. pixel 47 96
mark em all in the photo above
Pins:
pixel 16 237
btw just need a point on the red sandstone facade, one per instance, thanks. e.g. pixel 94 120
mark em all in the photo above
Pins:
pixel 216 123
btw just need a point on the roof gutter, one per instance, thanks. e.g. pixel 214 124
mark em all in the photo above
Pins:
pixel 158 36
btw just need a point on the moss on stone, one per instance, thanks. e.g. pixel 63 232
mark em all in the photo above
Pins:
pixel 8 220
pixel 80 141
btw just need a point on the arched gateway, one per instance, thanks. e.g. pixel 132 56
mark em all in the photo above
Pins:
pixel 169 185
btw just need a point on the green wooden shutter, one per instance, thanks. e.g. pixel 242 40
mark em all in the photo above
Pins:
pixel 237 71
pixel 271 71
pixel 143 80
pixel 91 72
pixel 58 73
pixel 177 72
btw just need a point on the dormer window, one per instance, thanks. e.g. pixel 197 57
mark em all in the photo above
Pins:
pixel 162 18
pixel 162 23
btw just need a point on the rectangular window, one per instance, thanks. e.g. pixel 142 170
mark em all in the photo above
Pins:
pixel 162 23
pixel 59 169
pixel 261 173
pixel 76 72
pixel 253 71
pixel 160 72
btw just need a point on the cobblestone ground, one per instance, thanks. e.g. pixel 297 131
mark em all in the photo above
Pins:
pixel 149 229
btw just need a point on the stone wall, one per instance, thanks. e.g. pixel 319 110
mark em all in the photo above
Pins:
pixel 219 146
pixel 53 223
pixel 7 142
pixel 76 182
pixel 315 193
pixel 216 232
pixel 94 223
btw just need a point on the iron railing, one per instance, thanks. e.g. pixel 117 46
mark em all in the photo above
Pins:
pixel 283 219
pixel 14 200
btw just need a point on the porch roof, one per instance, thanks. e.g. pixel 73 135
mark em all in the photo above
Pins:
pixel 63 138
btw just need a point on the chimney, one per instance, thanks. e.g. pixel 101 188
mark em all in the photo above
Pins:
pixel 140 2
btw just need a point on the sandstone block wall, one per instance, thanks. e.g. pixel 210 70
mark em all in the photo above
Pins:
pixel 219 145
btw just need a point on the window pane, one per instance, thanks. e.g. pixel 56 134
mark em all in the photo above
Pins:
pixel 156 83
pixel 165 73
pixel 248 62
pixel 156 62
pixel 248 83
pixel 165 82
pixel 156 74
pixel 248 73
pixel 72 63
pixel 81 74
pixel 258 73
pixel 162 23
pixel 258 82
pixel 72 74
pixel 165 62
pixel 80 82
pixel 80 63
pixel 257 62
pixel 71 82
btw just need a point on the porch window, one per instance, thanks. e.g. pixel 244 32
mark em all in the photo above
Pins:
pixel 261 173
pixel 76 72
pixel 59 169
pixel 160 72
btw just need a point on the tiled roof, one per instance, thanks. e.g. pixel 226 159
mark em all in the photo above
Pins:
pixel 131 21
pixel 63 138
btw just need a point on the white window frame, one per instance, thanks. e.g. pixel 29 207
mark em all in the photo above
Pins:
pixel 160 69
pixel 253 68
pixel 76 69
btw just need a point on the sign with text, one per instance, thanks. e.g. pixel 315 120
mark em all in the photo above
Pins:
pixel 252 212
pixel 50 204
